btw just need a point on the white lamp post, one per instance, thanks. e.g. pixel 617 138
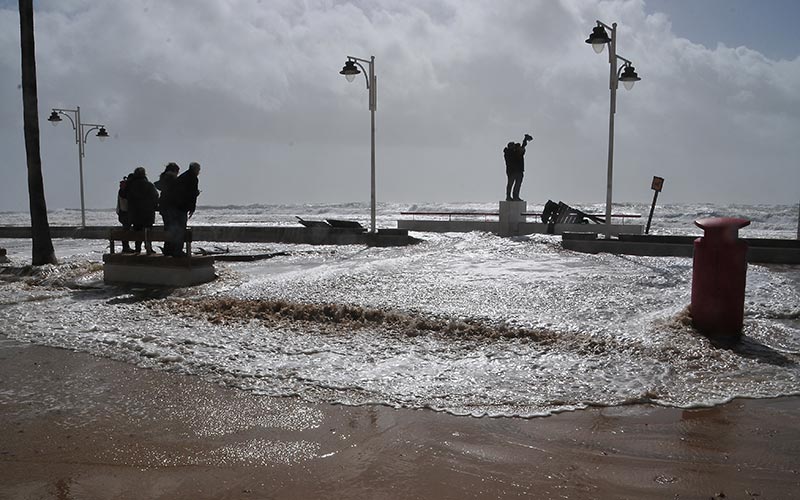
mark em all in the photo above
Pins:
pixel 625 74
pixel 81 134
pixel 350 71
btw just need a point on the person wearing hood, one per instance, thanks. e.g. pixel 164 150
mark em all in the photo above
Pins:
pixel 167 204
pixel 142 204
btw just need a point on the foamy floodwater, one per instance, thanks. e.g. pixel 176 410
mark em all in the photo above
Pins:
pixel 465 323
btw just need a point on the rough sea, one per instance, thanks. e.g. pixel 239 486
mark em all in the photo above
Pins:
pixel 467 323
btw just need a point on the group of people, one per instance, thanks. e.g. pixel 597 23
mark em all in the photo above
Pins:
pixel 138 200
pixel 514 154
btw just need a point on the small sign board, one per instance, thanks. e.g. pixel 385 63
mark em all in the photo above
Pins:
pixel 658 184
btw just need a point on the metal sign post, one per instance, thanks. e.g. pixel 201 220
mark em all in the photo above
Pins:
pixel 656 186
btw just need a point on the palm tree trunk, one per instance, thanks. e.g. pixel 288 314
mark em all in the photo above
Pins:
pixel 43 252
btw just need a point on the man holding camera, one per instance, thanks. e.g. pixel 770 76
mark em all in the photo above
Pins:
pixel 514 154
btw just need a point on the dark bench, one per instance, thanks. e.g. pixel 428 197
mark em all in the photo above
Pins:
pixel 561 213
pixel 148 236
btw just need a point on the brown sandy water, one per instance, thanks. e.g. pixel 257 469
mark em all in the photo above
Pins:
pixel 331 318
pixel 75 426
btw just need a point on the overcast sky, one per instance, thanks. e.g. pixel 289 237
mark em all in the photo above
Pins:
pixel 251 90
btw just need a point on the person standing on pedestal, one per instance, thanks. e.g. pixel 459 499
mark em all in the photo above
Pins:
pixel 122 212
pixel 514 155
pixel 167 201
pixel 142 205
pixel 186 193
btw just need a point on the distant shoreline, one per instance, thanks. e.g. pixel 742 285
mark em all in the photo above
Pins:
pixel 365 204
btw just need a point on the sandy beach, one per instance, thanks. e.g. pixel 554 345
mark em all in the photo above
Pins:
pixel 76 426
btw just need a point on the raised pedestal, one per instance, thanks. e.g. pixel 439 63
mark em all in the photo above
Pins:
pixel 157 270
pixel 511 217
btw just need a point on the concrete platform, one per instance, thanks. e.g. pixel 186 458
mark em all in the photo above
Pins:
pixel 157 270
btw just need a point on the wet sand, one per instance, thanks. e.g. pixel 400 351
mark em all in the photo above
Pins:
pixel 75 426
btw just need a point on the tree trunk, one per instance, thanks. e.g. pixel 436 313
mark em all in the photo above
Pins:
pixel 43 252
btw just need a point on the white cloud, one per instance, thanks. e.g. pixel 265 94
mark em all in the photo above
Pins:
pixel 251 89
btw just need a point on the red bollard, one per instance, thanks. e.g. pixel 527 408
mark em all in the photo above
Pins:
pixel 718 278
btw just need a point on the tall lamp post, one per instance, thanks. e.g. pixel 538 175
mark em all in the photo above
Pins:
pixel 350 70
pixel 82 131
pixel 625 74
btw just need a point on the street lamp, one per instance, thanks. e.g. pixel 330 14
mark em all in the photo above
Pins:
pixel 350 70
pixel 81 134
pixel 625 74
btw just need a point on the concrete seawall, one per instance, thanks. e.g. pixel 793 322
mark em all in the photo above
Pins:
pixel 759 250
pixel 511 221
pixel 244 234
pixel 521 228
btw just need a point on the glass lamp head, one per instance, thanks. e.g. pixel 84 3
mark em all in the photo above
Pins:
pixel 629 77
pixel 598 39
pixel 54 119
pixel 350 70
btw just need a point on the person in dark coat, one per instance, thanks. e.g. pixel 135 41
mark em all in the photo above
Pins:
pixel 185 193
pixel 142 205
pixel 122 211
pixel 166 203
pixel 514 155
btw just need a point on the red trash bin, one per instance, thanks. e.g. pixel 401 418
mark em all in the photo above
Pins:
pixel 718 278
